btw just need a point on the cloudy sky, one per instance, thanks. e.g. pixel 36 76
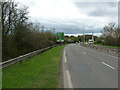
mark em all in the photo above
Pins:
pixel 73 16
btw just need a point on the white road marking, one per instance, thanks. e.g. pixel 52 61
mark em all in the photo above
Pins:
pixel 69 79
pixel 83 52
pixel 108 65
pixel 65 57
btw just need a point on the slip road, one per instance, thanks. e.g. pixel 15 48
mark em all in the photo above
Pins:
pixel 87 68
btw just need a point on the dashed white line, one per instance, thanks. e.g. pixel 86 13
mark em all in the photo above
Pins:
pixel 83 52
pixel 108 65
pixel 69 79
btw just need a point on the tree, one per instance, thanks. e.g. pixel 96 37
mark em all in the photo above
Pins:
pixel 111 34
pixel 11 17
pixel 19 35
pixel 109 30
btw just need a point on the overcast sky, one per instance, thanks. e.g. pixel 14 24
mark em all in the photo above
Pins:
pixel 73 16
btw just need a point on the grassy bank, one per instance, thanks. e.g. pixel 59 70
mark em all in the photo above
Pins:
pixel 107 45
pixel 41 71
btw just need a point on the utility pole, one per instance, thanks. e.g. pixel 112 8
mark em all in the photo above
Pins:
pixel 92 37
pixel 84 36
pixel 119 14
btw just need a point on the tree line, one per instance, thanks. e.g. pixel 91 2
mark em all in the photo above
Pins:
pixel 110 35
pixel 19 34
pixel 79 38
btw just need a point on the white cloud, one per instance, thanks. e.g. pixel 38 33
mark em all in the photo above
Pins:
pixel 66 16
pixel 95 34
pixel 94 0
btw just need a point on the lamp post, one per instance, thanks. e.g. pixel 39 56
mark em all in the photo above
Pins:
pixel 84 35
pixel 119 14
pixel 92 37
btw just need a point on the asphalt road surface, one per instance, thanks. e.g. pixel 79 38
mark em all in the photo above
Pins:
pixel 87 68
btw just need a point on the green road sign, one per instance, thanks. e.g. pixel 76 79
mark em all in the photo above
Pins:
pixel 60 37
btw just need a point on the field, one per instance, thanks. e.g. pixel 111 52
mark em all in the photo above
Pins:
pixel 41 71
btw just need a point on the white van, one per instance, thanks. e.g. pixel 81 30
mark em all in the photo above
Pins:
pixel 90 41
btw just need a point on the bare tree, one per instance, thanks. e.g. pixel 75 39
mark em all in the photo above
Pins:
pixel 111 34
pixel 11 17
pixel 109 30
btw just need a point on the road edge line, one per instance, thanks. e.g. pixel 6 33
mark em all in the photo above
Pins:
pixel 69 79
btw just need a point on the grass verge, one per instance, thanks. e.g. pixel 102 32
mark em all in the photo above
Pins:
pixel 41 71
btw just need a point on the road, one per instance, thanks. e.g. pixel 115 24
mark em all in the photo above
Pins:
pixel 87 68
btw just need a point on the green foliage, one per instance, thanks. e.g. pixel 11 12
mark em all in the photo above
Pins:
pixel 20 36
pixel 70 39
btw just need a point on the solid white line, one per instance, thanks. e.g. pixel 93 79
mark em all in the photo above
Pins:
pixel 108 65
pixel 69 79
pixel 83 52
pixel 65 57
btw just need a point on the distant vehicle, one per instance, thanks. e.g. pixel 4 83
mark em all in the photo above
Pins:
pixel 86 43
pixel 90 41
